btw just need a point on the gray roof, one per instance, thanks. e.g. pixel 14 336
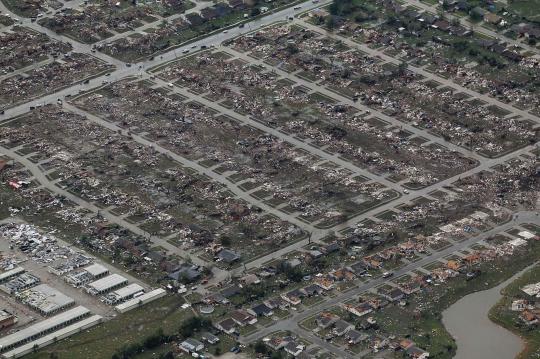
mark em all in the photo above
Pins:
pixel 45 298
pixel 261 309
pixel 108 282
pixel 228 256
pixel 209 337
pixel 42 326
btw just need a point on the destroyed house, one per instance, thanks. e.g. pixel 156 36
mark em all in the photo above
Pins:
pixel 325 282
pixel 371 263
pixel 295 296
pixel 250 279
pixel 342 274
pixel 354 336
pixel 215 298
pixel 276 302
pixel 410 287
pixel 312 290
pixel 358 268
pixel 442 25
pixel 277 342
pixel 331 248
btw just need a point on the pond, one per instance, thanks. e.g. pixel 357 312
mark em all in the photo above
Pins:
pixel 476 336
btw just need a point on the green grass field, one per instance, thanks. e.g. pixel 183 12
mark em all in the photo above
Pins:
pixel 421 319
pixel 104 340
pixel 502 315
pixel 530 9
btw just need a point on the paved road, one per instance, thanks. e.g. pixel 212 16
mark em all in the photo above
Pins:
pixel 40 177
pixel 239 193
pixel 77 46
pixel 291 323
pixel 406 198
pixel 323 90
pixel 435 9
pixel 447 82
pixel 122 71
pixel 284 137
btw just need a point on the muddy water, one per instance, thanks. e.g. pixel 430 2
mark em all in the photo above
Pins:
pixel 476 336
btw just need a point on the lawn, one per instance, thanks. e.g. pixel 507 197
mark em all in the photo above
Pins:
pixel 421 319
pixel 104 340
pixel 502 315
pixel 530 9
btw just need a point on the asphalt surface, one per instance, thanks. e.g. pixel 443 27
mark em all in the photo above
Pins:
pixel 291 323
pixel 373 113
pixel 138 69
pixel 122 71
pixel 418 70
pixel 471 25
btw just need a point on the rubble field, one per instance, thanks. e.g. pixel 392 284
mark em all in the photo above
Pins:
pixel 174 32
pixel 23 47
pixel 30 8
pixel 101 19
pixel 391 89
pixel 264 96
pixel 261 161
pixel 52 76
pixel 147 188
pixel 472 204
pixel 452 51
pixel 153 40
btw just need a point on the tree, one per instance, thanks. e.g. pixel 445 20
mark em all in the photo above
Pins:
pixel 193 325
pixel 225 241
pixel 255 11
pixel 294 274
pixel 402 67
pixel 259 347
pixel 330 22
pixel 292 48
